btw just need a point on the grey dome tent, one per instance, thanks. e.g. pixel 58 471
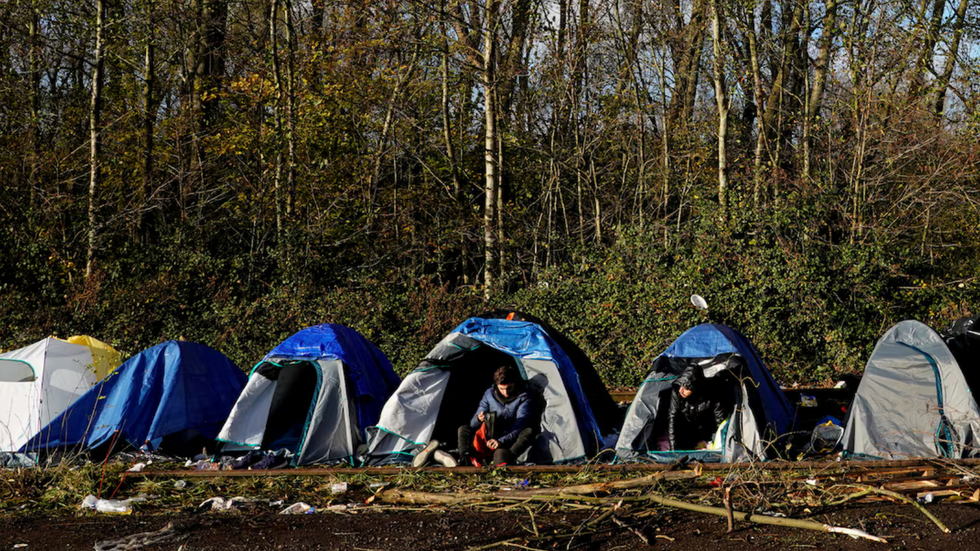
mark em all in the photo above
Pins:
pixel 760 411
pixel 913 400
pixel 312 395
pixel 443 392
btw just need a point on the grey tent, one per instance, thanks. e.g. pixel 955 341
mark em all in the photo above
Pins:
pixel 443 392
pixel 312 395
pixel 913 400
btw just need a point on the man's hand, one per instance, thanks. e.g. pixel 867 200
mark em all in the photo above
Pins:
pixel 480 416
pixel 493 444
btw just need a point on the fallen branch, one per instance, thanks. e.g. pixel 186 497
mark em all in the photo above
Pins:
pixel 602 487
pixel 138 541
pixel 866 490
pixel 639 534
pixel 397 496
pixel 426 498
pixel 762 519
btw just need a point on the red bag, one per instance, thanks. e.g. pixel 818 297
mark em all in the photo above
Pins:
pixel 481 451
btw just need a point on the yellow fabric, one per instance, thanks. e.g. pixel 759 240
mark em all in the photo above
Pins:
pixel 106 358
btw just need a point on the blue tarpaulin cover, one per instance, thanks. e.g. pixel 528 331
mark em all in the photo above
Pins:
pixel 367 367
pixel 169 388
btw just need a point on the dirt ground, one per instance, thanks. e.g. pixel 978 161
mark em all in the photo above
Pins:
pixel 421 530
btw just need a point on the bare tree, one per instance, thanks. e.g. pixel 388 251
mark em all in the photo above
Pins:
pixel 95 135
pixel 722 101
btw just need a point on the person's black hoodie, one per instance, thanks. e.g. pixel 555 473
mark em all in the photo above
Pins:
pixel 696 418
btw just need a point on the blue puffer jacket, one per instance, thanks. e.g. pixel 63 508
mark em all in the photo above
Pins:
pixel 511 418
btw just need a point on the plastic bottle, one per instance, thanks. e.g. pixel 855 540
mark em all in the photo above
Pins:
pixel 123 507
pixel 299 508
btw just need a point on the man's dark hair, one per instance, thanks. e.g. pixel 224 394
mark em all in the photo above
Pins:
pixel 507 374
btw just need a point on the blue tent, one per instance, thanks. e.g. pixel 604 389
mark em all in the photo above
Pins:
pixel 761 409
pixel 367 367
pixel 444 390
pixel 177 390
pixel 312 395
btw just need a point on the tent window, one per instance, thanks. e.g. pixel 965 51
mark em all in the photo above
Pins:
pixel 16 371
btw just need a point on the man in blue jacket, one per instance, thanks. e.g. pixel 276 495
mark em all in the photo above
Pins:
pixel 505 423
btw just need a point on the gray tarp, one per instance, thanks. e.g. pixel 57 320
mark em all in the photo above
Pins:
pixel 913 400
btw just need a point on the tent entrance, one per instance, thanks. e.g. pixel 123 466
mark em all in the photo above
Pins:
pixel 718 379
pixel 297 384
pixel 470 375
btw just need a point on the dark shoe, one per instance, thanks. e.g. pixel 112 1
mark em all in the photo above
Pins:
pixel 423 456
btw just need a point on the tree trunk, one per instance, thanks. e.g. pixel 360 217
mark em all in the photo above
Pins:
pixel 942 82
pixel 95 135
pixel 277 81
pixel 758 171
pixel 35 126
pixel 721 99
pixel 820 68
pixel 290 108
pixel 490 144
pixel 687 61
pixel 149 118
pixel 924 62
pixel 444 104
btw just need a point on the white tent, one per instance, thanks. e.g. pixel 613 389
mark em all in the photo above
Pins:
pixel 40 381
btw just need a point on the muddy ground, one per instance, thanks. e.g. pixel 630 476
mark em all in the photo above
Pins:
pixel 422 530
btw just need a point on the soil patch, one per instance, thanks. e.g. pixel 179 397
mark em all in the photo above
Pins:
pixel 464 528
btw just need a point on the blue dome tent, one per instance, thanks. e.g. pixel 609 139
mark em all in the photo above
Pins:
pixel 312 395
pixel 442 393
pixel 172 397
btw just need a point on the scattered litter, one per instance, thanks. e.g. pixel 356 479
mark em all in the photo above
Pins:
pixel 340 507
pixel 298 508
pixel 338 488
pixel 811 481
pixel 927 498
pixel 523 485
pixel 377 485
pixel 118 506
pixel 137 468
pixel 19 545
pixel 180 484
pixel 222 504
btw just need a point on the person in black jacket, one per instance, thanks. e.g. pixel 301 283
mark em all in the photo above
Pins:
pixel 697 408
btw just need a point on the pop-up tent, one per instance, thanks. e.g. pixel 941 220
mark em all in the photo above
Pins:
pixel 727 359
pixel 913 400
pixel 445 389
pixel 313 395
pixel 172 397
pixel 39 381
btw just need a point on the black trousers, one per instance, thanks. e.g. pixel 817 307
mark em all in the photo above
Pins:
pixel 501 455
